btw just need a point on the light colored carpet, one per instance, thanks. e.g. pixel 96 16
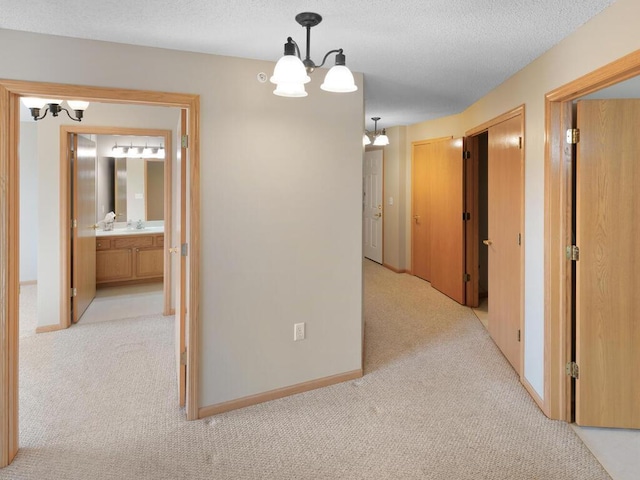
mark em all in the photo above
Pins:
pixel 438 401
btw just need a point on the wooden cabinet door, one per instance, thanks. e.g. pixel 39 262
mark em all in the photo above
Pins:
pixel 505 184
pixel 114 265
pixel 149 262
pixel 607 232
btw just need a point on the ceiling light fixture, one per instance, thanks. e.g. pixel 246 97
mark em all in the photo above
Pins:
pixel 291 72
pixel 379 139
pixel 35 105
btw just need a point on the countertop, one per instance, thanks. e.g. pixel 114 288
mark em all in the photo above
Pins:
pixel 116 232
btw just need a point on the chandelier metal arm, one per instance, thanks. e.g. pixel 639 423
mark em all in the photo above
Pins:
pixel 78 112
pixel 338 51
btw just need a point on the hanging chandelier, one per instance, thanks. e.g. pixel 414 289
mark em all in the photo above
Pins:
pixel 379 139
pixel 291 72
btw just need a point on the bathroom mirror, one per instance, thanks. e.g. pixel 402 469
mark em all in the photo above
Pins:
pixel 132 187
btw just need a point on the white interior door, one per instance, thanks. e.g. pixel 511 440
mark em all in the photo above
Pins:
pixel 372 214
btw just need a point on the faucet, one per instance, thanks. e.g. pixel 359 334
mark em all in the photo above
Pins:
pixel 139 225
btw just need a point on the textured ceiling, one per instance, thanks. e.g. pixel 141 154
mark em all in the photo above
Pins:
pixel 422 59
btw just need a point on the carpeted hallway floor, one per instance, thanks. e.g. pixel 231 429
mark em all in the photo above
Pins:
pixel 438 401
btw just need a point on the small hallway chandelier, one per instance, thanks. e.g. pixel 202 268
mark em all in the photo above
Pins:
pixel 35 105
pixel 379 139
pixel 291 72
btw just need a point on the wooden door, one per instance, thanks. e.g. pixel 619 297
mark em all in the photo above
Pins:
pixel 84 235
pixel 372 212
pixel 180 234
pixel 447 225
pixel 420 204
pixel 607 233
pixel 505 184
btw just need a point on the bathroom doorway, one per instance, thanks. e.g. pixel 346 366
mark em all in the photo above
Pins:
pixel 120 210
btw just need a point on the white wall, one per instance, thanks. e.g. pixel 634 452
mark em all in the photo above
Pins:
pixel 281 209
pixel 607 37
pixel 28 202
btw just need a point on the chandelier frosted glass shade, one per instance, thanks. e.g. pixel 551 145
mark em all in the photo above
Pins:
pixel 382 139
pixel 339 80
pixel 290 75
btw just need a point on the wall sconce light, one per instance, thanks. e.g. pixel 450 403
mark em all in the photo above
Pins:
pixel 35 105
pixel 291 73
pixel 379 139
pixel 137 151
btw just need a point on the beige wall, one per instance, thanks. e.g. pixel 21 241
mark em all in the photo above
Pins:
pixel 605 38
pixel 281 211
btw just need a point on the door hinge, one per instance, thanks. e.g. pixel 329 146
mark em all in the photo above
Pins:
pixel 74 292
pixel 573 253
pixel 466 154
pixel 519 335
pixel 466 277
pixel 573 136
pixel 185 141
pixel 519 239
pixel 466 216
pixel 520 143
pixel 184 249
pixel 183 358
pixel 572 369
pixel 74 223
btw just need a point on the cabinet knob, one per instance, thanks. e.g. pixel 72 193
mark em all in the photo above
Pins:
pixel 99 244
pixel 137 249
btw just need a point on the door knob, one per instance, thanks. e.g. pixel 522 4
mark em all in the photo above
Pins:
pixel 95 226
pixel 487 242
pixel 173 250
pixel 416 218
pixel 378 215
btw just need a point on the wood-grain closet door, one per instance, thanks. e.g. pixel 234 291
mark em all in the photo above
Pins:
pixel 607 285
pixel 421 210
pixel 447 224
pixel 505 189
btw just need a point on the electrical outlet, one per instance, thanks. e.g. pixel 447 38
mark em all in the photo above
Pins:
pixel 298 331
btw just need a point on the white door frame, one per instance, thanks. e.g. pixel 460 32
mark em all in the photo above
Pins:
pixel 10 93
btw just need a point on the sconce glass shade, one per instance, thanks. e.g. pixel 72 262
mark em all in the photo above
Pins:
pixel 366 140
pixel 339 80
pixel 148 151
pixel 78 105
pixel 34 102
pixel 382 139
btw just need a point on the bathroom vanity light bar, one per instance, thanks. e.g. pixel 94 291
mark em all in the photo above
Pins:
pixel 137 151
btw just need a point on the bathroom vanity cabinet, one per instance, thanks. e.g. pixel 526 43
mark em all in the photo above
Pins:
pixel 129 259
